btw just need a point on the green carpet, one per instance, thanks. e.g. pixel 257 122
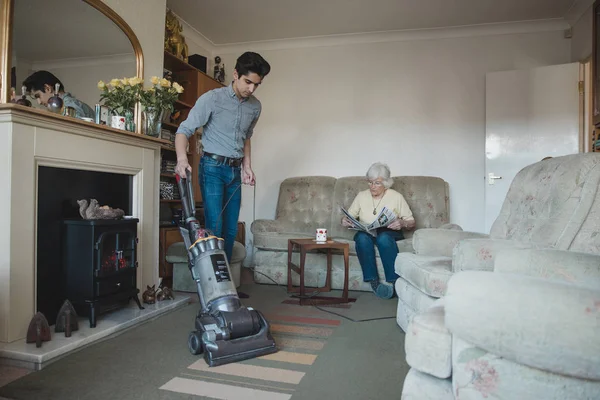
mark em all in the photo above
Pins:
pixel 352 360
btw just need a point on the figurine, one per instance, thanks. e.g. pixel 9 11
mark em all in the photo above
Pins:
pixel 217 68
pixel 66 319
pixel 94 211
pixel 164 293
pixel 149 295
pixel 39 330
pixel 174 40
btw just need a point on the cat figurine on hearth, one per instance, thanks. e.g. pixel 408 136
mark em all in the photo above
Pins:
pixel 149 295
pixel 94 211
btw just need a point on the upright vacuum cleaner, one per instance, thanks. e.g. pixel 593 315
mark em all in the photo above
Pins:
pixel 226 331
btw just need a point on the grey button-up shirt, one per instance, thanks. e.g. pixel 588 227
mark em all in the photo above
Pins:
pixel 227 121
pixel 81 109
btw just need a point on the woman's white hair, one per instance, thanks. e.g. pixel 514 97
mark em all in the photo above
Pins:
pixel 380 170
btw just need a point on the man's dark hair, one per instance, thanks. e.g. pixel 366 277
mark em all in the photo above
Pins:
pixel 37 80
pixel 252 62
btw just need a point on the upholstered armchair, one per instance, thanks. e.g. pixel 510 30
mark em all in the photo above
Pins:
pixel 550 204
pixel 528 330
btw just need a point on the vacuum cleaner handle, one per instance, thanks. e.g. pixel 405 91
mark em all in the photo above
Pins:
pixel 186 192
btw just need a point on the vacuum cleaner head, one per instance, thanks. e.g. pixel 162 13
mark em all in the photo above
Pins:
pixel 226 331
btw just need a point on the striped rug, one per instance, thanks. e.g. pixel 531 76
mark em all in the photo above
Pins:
pixel 300 332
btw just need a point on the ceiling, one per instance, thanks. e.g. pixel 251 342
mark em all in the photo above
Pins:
pixel 51 30
pixel 237 21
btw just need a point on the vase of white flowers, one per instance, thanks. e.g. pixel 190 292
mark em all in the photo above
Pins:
pixel 155 101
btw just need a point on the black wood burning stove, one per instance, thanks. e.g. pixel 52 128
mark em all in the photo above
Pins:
pixel 100 263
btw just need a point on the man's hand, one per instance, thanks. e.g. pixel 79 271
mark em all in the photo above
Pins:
pixel 182 166
pixel 248 177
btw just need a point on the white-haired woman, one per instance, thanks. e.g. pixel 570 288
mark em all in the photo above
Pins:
pixel 365 207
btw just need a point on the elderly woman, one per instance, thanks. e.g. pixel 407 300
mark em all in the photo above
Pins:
pixel 365 207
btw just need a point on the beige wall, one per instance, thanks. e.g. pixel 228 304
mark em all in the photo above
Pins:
pixel 418 105
pixel 581 42
pixel 147 19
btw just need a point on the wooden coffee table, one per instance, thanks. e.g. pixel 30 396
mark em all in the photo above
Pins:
pixel 307 245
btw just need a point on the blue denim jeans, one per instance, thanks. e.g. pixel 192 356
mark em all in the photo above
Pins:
pixel 220 183
pixel 388 249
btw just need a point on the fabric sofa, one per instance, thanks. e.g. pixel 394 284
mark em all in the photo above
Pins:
pixel 310 202
pixel 520 320
pixel 549 204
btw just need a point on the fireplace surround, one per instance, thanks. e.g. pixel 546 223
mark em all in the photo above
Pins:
pixel 30 139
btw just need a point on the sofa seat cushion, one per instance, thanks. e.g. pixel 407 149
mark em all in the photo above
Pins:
pixel 404 314
pixel 177 253
pixel 420 386
pixel 428 344
pixel 412 296
pixel 277 241
pixel 429 274
pixel 540 323
pixel 479 375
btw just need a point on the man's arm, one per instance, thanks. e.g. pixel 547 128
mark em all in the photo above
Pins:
pixel 248 177
pixel 197 117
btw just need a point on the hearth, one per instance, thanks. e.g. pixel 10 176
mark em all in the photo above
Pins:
pixel 100 263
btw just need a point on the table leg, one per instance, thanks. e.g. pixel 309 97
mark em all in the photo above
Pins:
pixel 302 259
pixel 328 279
pixel 346 273
pixel 289 269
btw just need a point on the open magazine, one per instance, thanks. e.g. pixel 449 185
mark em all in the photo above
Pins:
pixel 384 218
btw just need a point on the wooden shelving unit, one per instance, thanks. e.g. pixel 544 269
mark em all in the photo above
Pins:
pixel 195 83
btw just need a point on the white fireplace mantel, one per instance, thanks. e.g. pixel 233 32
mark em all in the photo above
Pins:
pixel 31 138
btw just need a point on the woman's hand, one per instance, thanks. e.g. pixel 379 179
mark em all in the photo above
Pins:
pixel 346 222
pixel 397 224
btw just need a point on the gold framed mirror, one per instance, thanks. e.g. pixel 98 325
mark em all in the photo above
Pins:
pixel 82 43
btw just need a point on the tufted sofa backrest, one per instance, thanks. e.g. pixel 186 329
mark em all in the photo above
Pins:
pixel 554 203
pixel 307 202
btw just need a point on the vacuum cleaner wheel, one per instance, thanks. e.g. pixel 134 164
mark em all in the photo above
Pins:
pixel 195 342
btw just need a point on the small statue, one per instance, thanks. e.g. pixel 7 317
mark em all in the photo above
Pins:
pixel 66 319
pixel 39 330
pixel 222 74
pixel 174 40
pixel 217 68
pixel 164 293
pixel 149 295
pixel 94 211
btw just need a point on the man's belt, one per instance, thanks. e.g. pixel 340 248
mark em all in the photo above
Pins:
pixel 232 162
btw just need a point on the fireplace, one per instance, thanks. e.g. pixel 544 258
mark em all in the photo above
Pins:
pixel 99 264
pixel 58 192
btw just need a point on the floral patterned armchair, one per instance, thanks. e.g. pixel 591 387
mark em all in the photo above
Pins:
pixel 520 320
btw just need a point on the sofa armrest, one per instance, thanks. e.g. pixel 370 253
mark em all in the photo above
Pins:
pixel 552 326
pixel 452 227
pixel 561 265
pixel 440 242
pixel 480 254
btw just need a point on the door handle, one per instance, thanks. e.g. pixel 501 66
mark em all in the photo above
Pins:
pixel 492 178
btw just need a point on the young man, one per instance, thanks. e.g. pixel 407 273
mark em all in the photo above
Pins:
pixel 41 84
pixel 228 116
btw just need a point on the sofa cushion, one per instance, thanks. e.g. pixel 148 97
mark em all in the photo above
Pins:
pixel 177 253
pixel 479 375
pixel 412 296
pixel 404 314
pixel 537 322
pixel 429 274
pixel 306 202
pixel 420 386
pixel 428 344
pixel 548 202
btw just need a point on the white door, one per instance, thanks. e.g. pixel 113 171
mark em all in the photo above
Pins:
pixel 530 114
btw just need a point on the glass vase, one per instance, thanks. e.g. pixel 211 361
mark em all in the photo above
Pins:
pixel 153 121
pixel 129 124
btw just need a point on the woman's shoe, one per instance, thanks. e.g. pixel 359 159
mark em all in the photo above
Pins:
pixel 384 291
